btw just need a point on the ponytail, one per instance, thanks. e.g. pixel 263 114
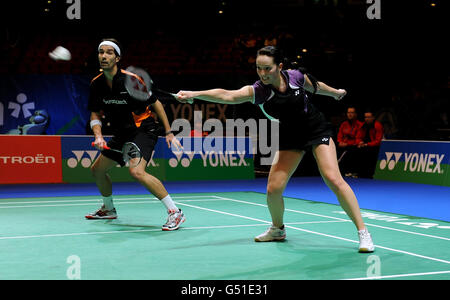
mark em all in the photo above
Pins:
pixel 311 78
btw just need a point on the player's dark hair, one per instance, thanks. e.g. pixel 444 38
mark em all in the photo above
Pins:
pixel 274 52
pixel 115 42
pixel 352 106
pixel 311 77
pixel 278 58
pixel 369 110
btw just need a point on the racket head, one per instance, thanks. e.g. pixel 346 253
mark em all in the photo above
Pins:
pixel 138 83
pixel 141 87
pixel 131 154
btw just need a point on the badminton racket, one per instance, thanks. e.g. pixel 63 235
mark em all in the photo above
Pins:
pixel 141 86
pixel 131 153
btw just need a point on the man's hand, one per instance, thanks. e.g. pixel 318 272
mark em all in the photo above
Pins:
pixel 172 140
pixel 99 143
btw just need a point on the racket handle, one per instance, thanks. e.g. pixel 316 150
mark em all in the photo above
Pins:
pixel 106 147
pixel 190 101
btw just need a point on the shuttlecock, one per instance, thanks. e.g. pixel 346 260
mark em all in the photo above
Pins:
pixel 60 53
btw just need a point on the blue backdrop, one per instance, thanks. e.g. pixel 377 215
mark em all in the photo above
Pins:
pixel 64 97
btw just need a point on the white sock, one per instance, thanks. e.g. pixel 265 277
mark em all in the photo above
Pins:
pixel 108 201
pixel 168 202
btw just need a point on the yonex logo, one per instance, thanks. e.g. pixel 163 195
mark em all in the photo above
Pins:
pixel 235 129
pixel 424 162
pixel 325 140
pixel 210 158
pixel 391 160
pixel 185 161
pixel 86 162
pixel 414 162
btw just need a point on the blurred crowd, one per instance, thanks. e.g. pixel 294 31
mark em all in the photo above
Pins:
pixel 409 111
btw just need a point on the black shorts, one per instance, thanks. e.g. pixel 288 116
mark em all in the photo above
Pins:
pixel 144 139
pixel 304 135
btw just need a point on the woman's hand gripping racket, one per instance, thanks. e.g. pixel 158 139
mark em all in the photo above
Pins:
pixel 131 153
pixel 141 87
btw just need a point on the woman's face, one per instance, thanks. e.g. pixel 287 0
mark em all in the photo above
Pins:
pixel 267 70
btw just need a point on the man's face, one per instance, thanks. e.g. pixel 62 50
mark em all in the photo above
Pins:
pixel 351 113
pixel 369 118
pixel 107 57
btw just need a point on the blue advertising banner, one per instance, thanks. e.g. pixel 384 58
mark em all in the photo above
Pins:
pixel 414 161
pixel 63 97
pixel 77 158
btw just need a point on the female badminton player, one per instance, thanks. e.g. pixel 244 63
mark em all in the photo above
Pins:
pixel 131 120
pixel 281 96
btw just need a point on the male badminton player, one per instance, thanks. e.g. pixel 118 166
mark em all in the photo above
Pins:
pixel 131 120
pixel 281 96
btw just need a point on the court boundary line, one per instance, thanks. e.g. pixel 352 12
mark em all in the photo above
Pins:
pixel 154 200
pixel 97 201
pixel 248 225
pixel 243 191
pixel 331 217
pixel 144 230
pixel 335 204
pixel 322 234
pixel 398 275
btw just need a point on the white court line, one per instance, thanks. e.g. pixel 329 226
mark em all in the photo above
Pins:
pixel 346 220
pixel 117 197
pixel 295 228
pixel 399 275
pixel 149 200
pixel 319 233
pixel 142 230
pixel 286 209
pixel 92 202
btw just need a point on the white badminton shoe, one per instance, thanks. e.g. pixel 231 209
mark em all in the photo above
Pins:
pixel 272 234
pixel 174 220
pixel 102 213
pixel 365 241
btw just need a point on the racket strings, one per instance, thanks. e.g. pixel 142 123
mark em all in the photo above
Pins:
pixel 139 84
pixel 131 151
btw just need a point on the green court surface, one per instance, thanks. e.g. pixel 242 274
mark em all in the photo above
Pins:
pixel 49 238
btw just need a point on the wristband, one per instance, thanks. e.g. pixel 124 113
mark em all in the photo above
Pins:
pixel 95 122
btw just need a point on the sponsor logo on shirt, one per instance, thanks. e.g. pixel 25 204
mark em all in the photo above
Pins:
pixel 115 101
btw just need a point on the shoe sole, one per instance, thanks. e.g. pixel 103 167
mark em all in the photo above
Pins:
pixel 100 218
pixel 278 239
pixel 366 250
pixel 175 228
